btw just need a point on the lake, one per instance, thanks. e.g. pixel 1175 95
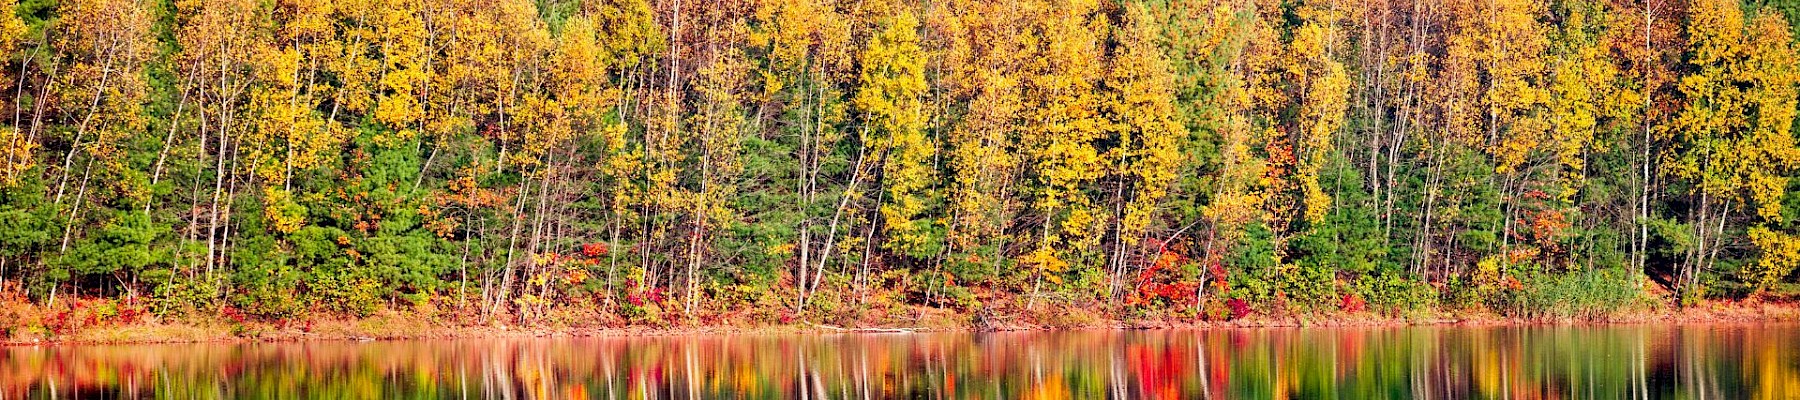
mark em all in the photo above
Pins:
pixel 1614 362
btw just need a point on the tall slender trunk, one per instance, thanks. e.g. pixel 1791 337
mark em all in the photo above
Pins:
pixel 219 172
pixel 512 242
pixel 1692 257
pixel 106 71
pixel 1641 235
pixel 168 138
pixel 831 233
pixel 80 197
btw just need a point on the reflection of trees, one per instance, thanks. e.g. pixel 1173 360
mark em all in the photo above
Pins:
pixel 1523 363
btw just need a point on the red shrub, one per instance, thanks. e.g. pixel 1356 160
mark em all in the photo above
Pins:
pixel 58 322
pixel 1353 303
pixel 593 249
pixel 1218 276
pixel 234 314
pixel 1239 308
pixel 1161 281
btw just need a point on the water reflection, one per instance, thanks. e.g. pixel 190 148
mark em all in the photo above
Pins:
pixel 1424 363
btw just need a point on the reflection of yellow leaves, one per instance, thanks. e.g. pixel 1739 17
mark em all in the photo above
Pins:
pixel 1052 387
pixel 1776 377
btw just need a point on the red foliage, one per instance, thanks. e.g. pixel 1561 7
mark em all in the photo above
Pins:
pixel 234 314
pixel 91 312
pixel 1353 303
pixel 1152 282
pixel 58 322
pixel 640 296
pixel 593 249
pixel 1218 273
pixel 131 311
pixel 1239 308
pixel 1535 194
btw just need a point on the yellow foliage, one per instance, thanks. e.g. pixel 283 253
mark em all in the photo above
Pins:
pixel 1734 137
pixel 892 83
pixel 1780 254
pixel 12 29
pixel 103 46
pixel 1045 263
pixel 627 30
pixel 282 213
pixel 1583 82
pixel 1325 100
pixel 15 156
pixel 803 38
pixel 1145 124
pixel 978 48
pixel 1063 115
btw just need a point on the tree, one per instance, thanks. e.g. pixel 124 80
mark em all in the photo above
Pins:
pixel 15 148
pixel 1732 141
pixel 1058 143
pixel 981 51
pixel 102 48
pixel 889 96
pixel 1146 128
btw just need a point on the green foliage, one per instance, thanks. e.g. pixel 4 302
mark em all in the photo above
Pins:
pixel 1591 293
pixel 547 161
pixel 1253 265
pixel 124 246
pixel 1396 292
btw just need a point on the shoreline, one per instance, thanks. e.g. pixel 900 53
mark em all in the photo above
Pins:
pixel 395 326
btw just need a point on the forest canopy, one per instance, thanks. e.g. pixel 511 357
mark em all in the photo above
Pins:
pixel 648 161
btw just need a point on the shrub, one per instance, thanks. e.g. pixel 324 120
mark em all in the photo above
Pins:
pixel 1577 294
pixel 346 292
pixel 184 296
pixel 1395 292
pixel 1239 308
pixel 1352 303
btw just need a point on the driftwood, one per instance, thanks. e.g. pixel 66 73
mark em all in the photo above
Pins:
pixel 865 330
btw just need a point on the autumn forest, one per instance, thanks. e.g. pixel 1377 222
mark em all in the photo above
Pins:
pixel 656 162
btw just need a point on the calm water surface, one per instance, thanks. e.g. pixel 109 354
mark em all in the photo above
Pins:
pixel 1614 362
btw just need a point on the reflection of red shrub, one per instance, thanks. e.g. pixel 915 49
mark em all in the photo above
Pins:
pixel 1239 308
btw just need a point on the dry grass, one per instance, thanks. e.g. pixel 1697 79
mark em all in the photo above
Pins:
pixel 150 333
pixel 25 322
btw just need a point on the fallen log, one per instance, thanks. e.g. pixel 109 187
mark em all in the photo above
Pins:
pixel 864 330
